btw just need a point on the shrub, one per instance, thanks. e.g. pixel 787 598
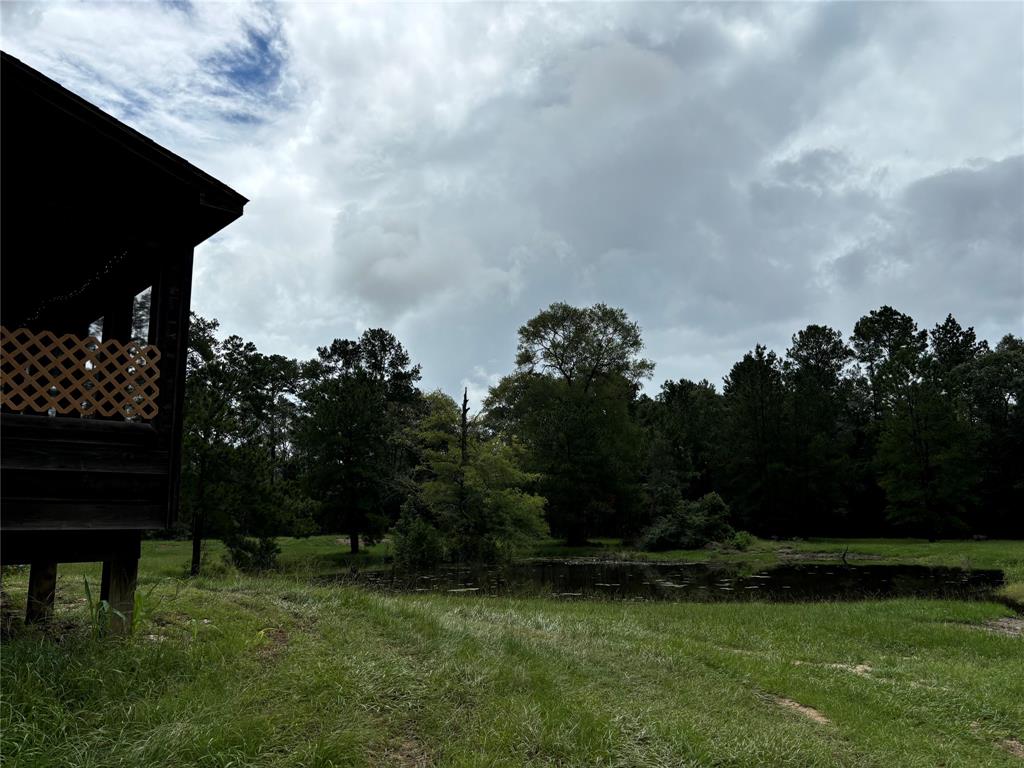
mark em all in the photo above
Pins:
pixel 742 540
pixel 217 567
pixel 253 554
pixel 418 544
pixel 690 525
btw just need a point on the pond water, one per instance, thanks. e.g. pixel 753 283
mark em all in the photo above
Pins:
pixel 693 581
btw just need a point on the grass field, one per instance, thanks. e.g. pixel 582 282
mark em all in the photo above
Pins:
pixel 231 670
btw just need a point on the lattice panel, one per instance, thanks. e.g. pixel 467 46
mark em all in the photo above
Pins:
pixel 52 374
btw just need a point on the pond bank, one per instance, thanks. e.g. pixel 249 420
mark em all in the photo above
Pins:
pixel 611 579
pixel 320 556
pixel 1004 555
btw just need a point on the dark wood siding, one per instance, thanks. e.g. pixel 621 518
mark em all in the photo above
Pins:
pixel 82 474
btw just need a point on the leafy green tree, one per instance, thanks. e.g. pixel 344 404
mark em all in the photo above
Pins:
pixel 682 429
pixel 888 346
pixel 954 349
pixel 880 341
pixel 230 471
pixel 993 385
pixel 570 402
pixel 582 345
pixel 209 429
pixel 926 453
pixel 754 465
pixel 926 463
pixel 818 438
pixel 472 486
pixel 358 399
pixel 587 447
pixel 667 467
pixel 902 428
pixel 693 424
pixel 268 402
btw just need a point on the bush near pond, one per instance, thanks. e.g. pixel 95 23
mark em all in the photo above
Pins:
pixel 742 541
pixel 418 545
pixel 690 525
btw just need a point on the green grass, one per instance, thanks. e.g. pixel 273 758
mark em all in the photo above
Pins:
pixel 315 555
pixel 231 670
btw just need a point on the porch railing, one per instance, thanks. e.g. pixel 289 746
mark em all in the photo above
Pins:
pixel 62 375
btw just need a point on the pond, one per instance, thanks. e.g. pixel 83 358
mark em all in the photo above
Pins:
pixel 595 579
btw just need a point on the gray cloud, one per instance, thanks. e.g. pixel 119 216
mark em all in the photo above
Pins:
pixel 725 172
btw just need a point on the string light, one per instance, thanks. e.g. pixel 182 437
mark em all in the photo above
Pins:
pixel 81 289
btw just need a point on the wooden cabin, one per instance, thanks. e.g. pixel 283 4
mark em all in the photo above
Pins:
pixel 97 229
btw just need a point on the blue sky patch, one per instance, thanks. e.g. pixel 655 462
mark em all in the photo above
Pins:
pixel 255 67
pixel 185 6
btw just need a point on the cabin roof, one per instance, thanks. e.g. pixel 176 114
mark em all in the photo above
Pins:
pixel 84 195
pixel 25 80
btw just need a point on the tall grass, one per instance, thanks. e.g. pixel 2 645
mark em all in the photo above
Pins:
pixel 274 670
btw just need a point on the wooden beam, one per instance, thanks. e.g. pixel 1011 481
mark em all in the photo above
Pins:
pixel 42 586
pixel 120 575
pixel 29 426
pixel 169 319
pixel 92 546
pixel 71 515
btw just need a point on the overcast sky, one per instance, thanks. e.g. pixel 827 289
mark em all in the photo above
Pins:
pixel 726 173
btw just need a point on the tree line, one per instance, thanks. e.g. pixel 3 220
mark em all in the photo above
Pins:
pixel 894 430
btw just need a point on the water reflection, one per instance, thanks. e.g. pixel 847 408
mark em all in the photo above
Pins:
pixel 692 581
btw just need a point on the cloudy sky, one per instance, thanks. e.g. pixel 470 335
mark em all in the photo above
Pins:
pixel 726 173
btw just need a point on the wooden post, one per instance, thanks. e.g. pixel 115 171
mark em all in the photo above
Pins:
pixel 118 589
pixel 117 317
pixel 42 585
pixel 168 329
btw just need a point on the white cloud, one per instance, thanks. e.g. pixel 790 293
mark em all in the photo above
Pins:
pixel 727 173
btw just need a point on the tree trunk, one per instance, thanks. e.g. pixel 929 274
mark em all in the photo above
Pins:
pixel 576 537
pixel 42 585
pixel 197 542
pixel 576 532
pixel 273 454
pixel 463 453
pixel 197 522
pixel 353 539
pixel 464 428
